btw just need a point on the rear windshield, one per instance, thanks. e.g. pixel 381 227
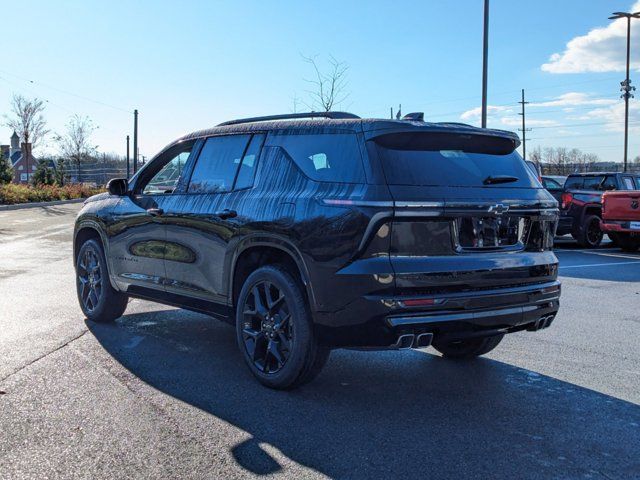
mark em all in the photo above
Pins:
pixel 452 160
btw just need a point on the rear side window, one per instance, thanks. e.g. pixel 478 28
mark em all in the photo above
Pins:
pixel 452 160
pixel 574 183
pixel 592 183
pixel 628 183
pixel 325 157
pixel 217 164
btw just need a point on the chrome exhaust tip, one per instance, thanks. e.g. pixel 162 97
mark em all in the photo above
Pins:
pixel 404 341
pixel 423 340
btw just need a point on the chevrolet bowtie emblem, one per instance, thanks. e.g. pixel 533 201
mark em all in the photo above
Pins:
pixel 498 208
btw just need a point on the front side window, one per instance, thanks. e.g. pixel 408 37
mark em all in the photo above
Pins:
pixel 328 157
pixel 217 164
pixel 609 183
pixel 166 179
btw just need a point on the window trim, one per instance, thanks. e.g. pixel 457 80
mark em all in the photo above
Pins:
pixel 257 160
pixel 235 176
pixel 147 172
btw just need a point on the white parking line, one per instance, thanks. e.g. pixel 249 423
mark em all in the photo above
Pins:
pixel 614 255
pixel 600 264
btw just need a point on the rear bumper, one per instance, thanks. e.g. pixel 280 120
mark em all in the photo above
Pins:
pixel 453 315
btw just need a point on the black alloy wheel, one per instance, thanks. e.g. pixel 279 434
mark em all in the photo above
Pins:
pixel 99 301
pixel 90 278
pixel 591 234
pixel 275 329
pixel 267 329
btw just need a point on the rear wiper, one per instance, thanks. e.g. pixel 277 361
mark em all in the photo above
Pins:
pixel 499 179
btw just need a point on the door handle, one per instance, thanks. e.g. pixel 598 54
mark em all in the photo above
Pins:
pixel 154 212
pixel 226 213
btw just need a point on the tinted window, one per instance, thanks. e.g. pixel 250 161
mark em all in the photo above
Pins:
pixel 325 157
pixel 609 183
pixel 249 163
pixel 638 183
pixel 628 183
pixel 217 164
pixel 166 179
pixel 574 183
pixel 592 183
pixel 549 183
pixel 451 160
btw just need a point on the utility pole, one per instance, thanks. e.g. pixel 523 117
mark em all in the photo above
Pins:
pixel 524 129
pixel 485 62
pixel 128 167
pixel 391 114
pixel 135 141
pixel 626 87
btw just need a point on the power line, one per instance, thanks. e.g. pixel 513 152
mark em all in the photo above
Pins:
pixel 99 102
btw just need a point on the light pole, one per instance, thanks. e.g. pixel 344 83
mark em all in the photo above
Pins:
pixel 626 87
pixel 485 61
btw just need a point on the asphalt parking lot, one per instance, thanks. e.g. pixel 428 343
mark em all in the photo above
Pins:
pixel 163 393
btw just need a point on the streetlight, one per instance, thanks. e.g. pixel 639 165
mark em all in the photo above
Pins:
pixel 626 87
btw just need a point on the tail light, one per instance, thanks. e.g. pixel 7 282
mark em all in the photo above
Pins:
pixel 566 200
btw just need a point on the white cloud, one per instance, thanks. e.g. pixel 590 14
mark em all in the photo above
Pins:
pixel 600 50
pixel 613 117
pixel 475 113
pixel 572 99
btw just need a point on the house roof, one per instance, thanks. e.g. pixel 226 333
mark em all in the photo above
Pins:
pixel 16 157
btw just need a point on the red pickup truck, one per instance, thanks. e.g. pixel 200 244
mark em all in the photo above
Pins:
pixel 621 218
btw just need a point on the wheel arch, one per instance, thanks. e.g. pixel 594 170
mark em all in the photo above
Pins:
pixel 257 251
pixel 85 230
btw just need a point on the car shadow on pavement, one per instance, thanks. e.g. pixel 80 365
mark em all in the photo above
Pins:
pixel 405 414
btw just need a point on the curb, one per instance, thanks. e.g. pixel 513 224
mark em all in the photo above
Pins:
pixel 20 206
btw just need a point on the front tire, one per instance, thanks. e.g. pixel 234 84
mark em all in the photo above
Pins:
pixel 99 301
pixel 465 349
pixel 275 331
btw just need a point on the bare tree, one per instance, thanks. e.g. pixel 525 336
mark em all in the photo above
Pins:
pixel 27 120
pixel 75 144
pixel 329 87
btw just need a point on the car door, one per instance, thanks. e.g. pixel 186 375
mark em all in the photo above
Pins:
pixel 204 218
pixel 137 234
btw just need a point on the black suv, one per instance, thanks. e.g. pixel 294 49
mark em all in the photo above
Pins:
pixel 581 203
pixel 329 232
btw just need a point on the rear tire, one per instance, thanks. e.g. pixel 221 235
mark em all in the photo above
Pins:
pixel 99 301
pixel 470 348
pixel 626 242
pixel 275 330
pixel 590 235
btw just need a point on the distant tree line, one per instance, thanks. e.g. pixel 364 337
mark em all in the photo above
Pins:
pixel 563 161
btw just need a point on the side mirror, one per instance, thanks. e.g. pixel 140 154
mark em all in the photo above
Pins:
pixel 117 186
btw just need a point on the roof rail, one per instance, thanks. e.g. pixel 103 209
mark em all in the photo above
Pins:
pixel 290 116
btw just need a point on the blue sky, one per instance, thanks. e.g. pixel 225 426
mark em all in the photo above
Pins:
pixel 189 65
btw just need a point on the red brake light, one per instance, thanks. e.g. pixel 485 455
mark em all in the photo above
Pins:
pixel 566 200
